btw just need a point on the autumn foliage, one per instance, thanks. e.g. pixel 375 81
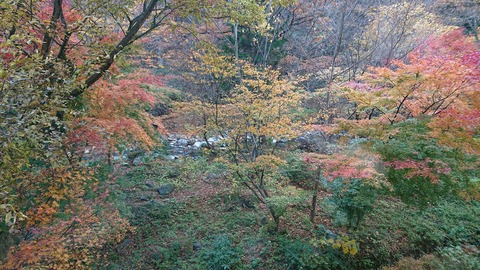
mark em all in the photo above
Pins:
pixel 421 115
pixel 72 102
pixel 439 82
pixel 49 193
pixel 117 116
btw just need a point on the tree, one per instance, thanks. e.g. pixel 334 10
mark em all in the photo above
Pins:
pixel 345 166
pixel 422 116
pixel 465 13
pixel 52 51
pixel 56 61
pixel 258 112
pixel 394 31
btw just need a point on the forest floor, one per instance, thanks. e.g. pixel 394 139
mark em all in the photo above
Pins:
pixel 179 230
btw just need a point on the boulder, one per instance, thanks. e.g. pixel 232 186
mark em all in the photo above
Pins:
pixel 166 189
pixel 172 157
pixel 199 144
pixel 197 246
pixel 182 142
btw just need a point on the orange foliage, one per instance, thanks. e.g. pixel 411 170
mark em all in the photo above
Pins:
pixel 440 81
pixel 117 114
pixel 74 243
pixel 67 231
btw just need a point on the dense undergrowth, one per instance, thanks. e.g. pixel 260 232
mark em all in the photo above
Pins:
pixel 226 228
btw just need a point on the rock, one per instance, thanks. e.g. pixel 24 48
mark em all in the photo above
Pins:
pixel 263 221
pixel 199 144
pixel 212 140
pixel 182 142
pixel 144 198
pixel 138 160
pixel 172 157
pixel 124 245
pixel 166 189
pixel 213 176
pixel 150 184
pixel 197 246
pixel 160 109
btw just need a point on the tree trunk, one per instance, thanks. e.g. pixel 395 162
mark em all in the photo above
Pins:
pixel 276 218
pixel 314 197
pixel 314 202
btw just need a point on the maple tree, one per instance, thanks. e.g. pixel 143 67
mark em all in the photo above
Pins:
pixel 60 95
pixel 249 119
pixel 52 51
pixel 346 166
pixel 422 116
pixel 117 117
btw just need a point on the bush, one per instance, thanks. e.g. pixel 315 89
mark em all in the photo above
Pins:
pixel 295 168
pixel 394 230
pixel 421 170
pixel 444 259
pixel 222 254
pixel 427 262
pixel 300 255
pixel 466 258
pixel 354 198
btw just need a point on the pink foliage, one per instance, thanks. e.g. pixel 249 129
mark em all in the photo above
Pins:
pixel 427 168
pixel 356 165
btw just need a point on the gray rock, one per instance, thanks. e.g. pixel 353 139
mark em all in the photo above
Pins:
pixel 123 246
pixel 144 198
pixel 138 160
pixel 182 142
pixel 263 220
pixel 172 157
pixel 212 140
pixel 197 246
pixel 213 176
pixel 150 184
pixel 199 144
pixel 246 203
pixel 166 189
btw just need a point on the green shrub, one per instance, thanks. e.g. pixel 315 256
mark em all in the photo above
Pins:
pixel 430 171
pixel 295 168
pixel 353 198
pixel 394 230
pixel 427 262
pixel 466 258
pixel 457 258
pixel 221 254
pixel 300 255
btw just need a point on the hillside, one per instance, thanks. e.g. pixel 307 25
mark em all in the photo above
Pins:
pixel 246 134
